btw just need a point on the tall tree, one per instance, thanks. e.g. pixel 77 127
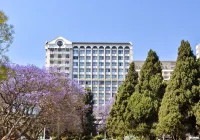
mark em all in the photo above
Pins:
pixel 6 33
pixel 142 110
pixel 116 119
pixel 89 127
pixel 175 116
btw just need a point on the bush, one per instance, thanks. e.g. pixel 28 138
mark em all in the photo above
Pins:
pixel 98 137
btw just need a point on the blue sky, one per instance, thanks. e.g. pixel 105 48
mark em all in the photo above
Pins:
pixel 149 24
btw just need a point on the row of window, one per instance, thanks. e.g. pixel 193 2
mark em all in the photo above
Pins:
pixel 59 62
pixel 75 51
pixel 100 70
pixel 59 56
pixel 99 82
pixel 102 89
pixel 59 49
pixel 100 64
pixel 101 58
pixel 98 76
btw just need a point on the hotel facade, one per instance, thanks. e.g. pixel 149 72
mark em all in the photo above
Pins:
pixel 100 66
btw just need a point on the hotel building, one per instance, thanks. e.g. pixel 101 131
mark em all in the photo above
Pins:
pixel 100 66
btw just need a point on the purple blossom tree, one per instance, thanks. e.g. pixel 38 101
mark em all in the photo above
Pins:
pixel 33 98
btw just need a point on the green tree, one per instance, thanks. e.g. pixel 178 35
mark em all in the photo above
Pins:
pixel 6 33
pixel 176 117
pixel 6 38
pixel 116 119
pixel 89 125
pixel 142 110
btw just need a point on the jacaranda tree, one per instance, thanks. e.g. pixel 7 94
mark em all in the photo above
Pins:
pixel 33 98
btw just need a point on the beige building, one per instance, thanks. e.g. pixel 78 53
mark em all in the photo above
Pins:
pixel 167 68
pixel 100 66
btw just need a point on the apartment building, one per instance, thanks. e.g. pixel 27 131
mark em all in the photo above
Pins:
pixel 167 68
pixel 100 66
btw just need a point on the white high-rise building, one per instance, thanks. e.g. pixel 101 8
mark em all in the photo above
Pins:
pixel 198 50
pixel 100 66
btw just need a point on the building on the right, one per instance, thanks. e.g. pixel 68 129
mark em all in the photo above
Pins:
pixel 198 50
pixel 167 68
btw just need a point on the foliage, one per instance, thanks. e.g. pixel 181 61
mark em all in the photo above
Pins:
pixel 176 117
pixel 142 110
pixel 98 137
pixel 89 119
pixel 116 119
pixel 33 98
pixel 6 33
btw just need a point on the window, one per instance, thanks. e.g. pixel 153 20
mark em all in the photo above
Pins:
pixel 101 82
pixel 66 68
pixel 114 76
pixel 114 89
pixel 88 57
pixel 94 70
pixel 94 63
pixel 101 57
pixel 59 56
pixel 114 64
pixel 75 63
pixel 67 56
pixel 126 70
pixel 81 57
pixel 120 76
pixel 94 95
pixel 94 51
pixel 59 62
pixel 101 76
pixel 88 63
pixel 75 57
pixel 59 49
pixel 94 76
pixel 88 51
pixel 101 88
pixel 120 58
pixel 107 95
pixel 87 76
pixel 114 51
pixel 94 57
pixel 101 95
pixel 81 82
pixel 107 76
pixel 101 51
pixel 114 70
pixel 107 51
pixel 126 64
pixel 66 62
pixel 51 62
pixel 81 63
pixel 108 82
pixel 51 55
pixel 126 51
pixel 101 70
pixel 120 70
pixel 75 76
pixel 114 83
pixel 95 82
pixel 120 64
pixel 75 51
pixel 75 70
pixel 101 63
pixel 88 70
pixel 120 51
pixel 101 101
pixel 82 51
pixel 81 76
pixel 114 58
pixel 94 88
pixel 107 70
pixel 120 82
pixel 88 82
pixel 81 70
pixel 95 101
pixel 126 58
pixel 107 57
pixel 107 63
